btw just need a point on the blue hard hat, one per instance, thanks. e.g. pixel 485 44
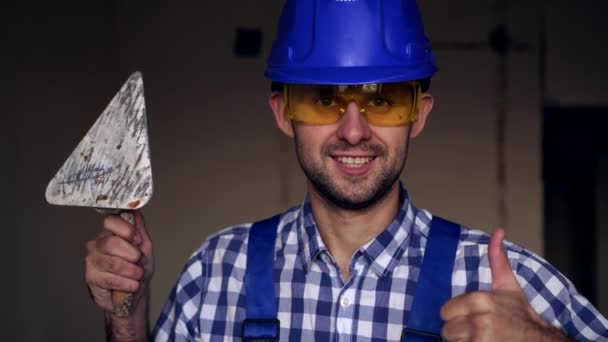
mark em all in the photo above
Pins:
pixel 350 42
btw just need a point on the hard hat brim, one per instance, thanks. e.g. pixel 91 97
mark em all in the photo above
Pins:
pixel 349 75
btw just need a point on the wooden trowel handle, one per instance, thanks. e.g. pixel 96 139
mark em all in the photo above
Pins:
pixel 121 301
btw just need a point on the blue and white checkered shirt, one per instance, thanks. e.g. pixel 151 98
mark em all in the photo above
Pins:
pixel 208 302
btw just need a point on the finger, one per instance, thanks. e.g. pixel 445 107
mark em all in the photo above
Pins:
pixel 140 227
pixel 457 329
pixel 115 265
pixel 119 226
pixel 467 304
pixel 113 245
pixel 140 223
pixel 111 282
pixel 502 274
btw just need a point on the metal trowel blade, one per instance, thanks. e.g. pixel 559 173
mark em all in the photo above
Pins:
pixel 111 167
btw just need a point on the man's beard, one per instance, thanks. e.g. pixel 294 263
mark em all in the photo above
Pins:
pixel 329 189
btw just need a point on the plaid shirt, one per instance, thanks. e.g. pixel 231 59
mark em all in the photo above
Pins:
pixel 315 304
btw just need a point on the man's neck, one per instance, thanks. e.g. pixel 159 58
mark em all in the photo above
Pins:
pixel 344 231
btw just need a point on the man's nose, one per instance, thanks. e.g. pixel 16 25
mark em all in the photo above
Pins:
pixel 352 126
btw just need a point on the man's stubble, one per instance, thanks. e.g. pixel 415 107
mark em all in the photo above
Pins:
pixel 359 199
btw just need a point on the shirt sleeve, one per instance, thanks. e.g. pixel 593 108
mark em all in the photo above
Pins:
pixel 178 320
pixel 555 298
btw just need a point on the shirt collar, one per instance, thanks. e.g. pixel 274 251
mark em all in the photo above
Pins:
pixel 311 243
pixel 382 253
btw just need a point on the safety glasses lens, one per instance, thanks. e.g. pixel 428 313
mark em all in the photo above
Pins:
pixel 383 104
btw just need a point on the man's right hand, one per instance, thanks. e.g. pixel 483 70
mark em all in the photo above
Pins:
pixel 121 259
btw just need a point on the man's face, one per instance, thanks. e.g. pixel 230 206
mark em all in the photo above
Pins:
pixel 351 163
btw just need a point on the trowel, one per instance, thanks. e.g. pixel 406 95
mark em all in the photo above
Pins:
pixel 110 168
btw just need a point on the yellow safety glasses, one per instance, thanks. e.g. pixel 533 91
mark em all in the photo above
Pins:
pixel 381 104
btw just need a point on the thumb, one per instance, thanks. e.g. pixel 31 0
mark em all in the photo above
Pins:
pixel 140 228
pixel 140 224
pixel 502 274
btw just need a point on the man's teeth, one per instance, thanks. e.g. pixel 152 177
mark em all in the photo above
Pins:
pixel 354 161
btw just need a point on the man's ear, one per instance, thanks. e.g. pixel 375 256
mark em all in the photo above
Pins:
pixel 280 116
pixel 426 104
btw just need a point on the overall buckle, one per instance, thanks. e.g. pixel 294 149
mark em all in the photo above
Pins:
pixel 261 330
pixel 419 335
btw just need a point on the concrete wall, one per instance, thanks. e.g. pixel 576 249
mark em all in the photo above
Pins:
pixel 218 160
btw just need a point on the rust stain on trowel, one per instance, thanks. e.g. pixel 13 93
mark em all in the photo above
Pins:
pixel 133 204
pixel 88 155
pixel 101 198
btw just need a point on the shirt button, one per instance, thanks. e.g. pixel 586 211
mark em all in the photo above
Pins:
pixel 358 268
pixel 344 302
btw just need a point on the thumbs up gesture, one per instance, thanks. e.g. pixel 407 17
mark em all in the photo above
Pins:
pixel 502 314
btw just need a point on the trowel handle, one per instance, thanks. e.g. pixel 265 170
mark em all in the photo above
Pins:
pixel 121 301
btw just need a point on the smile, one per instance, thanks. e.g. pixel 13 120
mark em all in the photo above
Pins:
pixel 354 162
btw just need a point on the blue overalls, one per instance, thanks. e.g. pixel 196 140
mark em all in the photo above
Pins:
pixel 433 290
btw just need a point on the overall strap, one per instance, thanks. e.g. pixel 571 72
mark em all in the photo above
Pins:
pixel 434 283
pixel 261 323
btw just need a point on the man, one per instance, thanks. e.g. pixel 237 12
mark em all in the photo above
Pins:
pixel 350 86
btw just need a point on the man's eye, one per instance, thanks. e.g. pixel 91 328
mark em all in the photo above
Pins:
pixel 379 102
pixel 326 101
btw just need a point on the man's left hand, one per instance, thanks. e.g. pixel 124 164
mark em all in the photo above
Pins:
pixel 502 314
